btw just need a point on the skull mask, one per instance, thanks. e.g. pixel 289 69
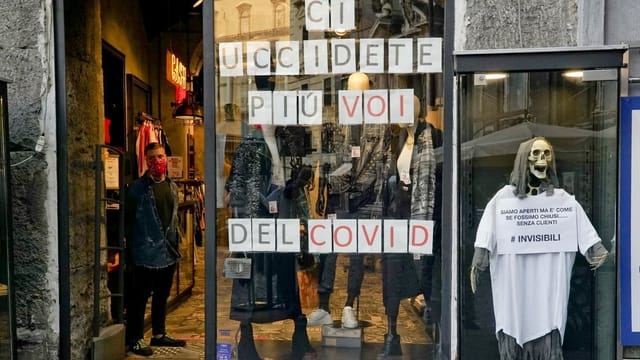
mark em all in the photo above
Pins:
pixel 540 159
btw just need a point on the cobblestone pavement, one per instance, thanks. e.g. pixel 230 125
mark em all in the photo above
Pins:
pixel 273 340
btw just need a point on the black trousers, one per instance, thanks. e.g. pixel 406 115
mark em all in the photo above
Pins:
pixel 327 271
pixel 145 282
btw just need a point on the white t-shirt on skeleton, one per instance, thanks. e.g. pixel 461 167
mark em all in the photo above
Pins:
pixel 531 291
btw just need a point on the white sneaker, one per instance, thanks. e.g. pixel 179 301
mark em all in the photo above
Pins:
pixel 319 317
pixel 349 320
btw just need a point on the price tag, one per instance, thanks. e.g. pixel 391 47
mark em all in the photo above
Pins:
pixel 273 207
pixel 416 256
pixel 331 216
pixel 355 151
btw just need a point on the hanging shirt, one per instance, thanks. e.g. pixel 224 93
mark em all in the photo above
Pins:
pixel 531 291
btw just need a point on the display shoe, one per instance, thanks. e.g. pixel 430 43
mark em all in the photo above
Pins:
pixel 300 346
pixel 319 317
pixel 166 340
pixel 349 319
pixel 246 346
pixel 391 346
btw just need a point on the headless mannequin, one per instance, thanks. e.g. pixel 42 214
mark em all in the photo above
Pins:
pixel 277 170
pixel 356 81
pixel 403 167
pixel 285 262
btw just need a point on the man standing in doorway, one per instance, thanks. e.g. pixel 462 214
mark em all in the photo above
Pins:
pixel 151 210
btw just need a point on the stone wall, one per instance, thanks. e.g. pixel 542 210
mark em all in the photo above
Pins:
pixel 26 48
pixel 497 24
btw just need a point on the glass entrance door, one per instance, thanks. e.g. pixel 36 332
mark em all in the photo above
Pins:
pixel 578 116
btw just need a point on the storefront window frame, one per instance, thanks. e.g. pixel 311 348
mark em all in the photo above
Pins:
pixel 517 60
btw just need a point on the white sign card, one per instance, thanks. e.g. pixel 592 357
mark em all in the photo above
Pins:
pixel 536 224
pixel 287 58
pixel 317 16
pixel 350 109
pixel 315 57
pixel 285 111
pixel 395 236
pixel 111 173
pixel 376 110
pixel 343 56
pixel 310 107
pixel 320 239
pixel 345 236
pixel 258 58
pixel 402 101
pixel 288 235
pixel 421 236
pixel 260 103
pixel 429 55
pixel 231 59
pixel 369 236
pixel 400 56
pixel 264 234
pixel 372 56
pixel 174 167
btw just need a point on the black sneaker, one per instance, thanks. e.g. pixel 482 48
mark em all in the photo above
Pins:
pixel 166 340
pixel 141 348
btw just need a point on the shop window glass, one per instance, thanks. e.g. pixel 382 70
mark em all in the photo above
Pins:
pixel 299 156
pixel 579 119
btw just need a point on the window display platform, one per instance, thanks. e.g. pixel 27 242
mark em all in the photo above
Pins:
pixel 273 340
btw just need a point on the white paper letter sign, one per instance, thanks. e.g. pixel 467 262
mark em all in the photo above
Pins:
pixel 230 59
pixel 287 58
pixel 319 236
pixel 401 109
pixel 258 58
pixel 370 236
pixel 317 15
pixel 264 234
pixel 395 236
pixel 239 235
pixel 376 107
pixel 310 107
pixel 350 107
pixel 315 57
pixel 372 56
pixel 345 236
pixel 288 235
pixel 429 55
pixel 543 224
pixel 421 236
pixel 259 107
pixel 343 15
pixel 285 108
pixel 400 56
pixel 343 56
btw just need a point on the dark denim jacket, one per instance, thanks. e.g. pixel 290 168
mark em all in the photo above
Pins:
pixel 148 244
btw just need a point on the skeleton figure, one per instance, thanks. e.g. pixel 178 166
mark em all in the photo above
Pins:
pixel 533 173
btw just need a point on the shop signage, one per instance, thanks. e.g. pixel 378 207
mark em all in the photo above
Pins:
pixel 176 71
pixel 629 226
pixel 355 107
pixel 331 236
pixel 536 225
pixel 324 15
pixel 399 55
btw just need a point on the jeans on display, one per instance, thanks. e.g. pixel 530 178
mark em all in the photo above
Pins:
pixel 328 273
pixel 143 282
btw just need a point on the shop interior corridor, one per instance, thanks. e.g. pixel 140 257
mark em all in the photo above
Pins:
pixel 273 340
